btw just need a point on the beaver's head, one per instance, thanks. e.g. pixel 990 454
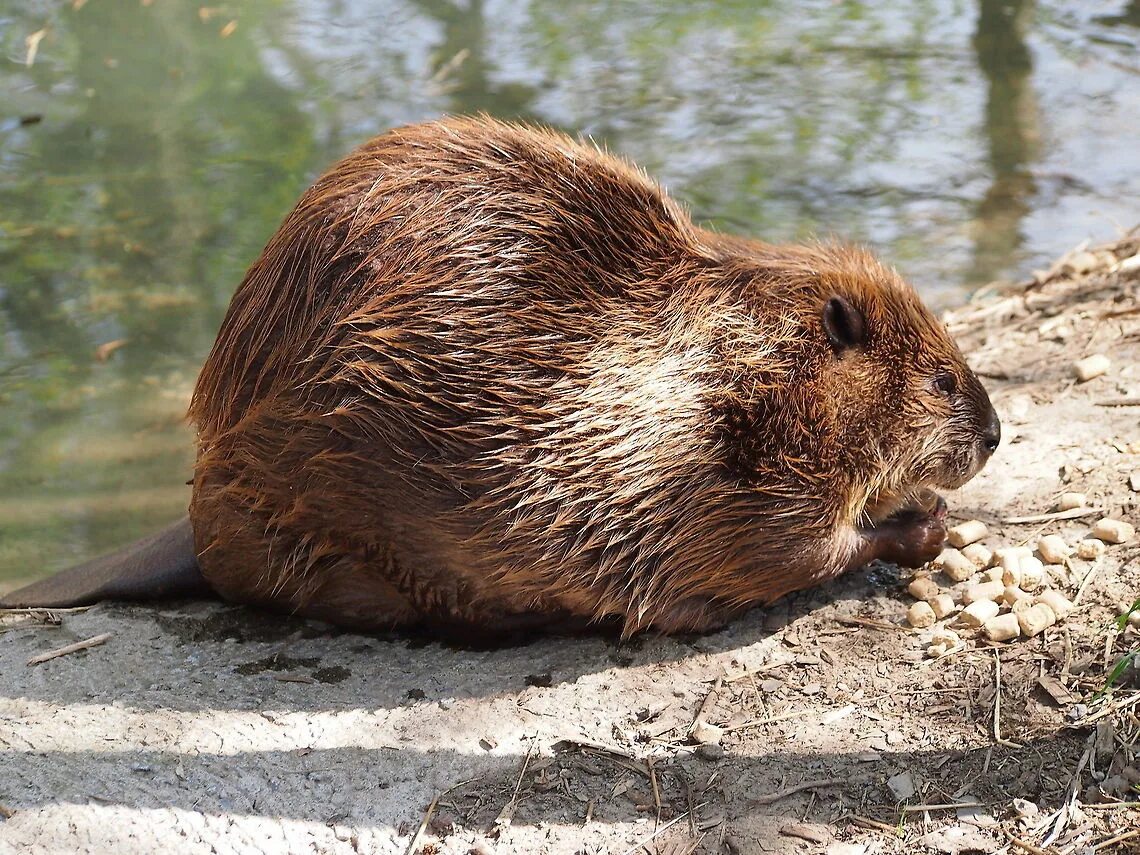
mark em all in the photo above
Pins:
pixel 871 396
pixel 899 379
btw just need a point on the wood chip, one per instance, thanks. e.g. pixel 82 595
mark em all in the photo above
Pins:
pixel 805 832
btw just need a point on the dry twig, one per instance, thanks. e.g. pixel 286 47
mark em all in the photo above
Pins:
pixel 93 641
pixel 771 798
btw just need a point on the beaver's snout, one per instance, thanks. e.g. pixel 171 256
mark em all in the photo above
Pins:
pixel 991 433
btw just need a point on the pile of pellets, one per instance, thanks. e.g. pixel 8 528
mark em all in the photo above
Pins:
pixel 1005 593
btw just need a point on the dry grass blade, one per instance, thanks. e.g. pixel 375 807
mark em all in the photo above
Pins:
pixel 1120 838
pixel 643 843
pixel 1071 514
pixel 503 820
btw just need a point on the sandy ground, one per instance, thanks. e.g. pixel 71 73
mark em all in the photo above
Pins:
pixel 826 727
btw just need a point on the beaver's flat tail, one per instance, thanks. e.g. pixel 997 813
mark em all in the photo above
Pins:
pixel 158 567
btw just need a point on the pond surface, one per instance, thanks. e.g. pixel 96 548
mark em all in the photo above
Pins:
pixel 148 150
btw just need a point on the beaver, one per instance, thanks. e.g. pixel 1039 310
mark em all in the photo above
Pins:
pixel 486 377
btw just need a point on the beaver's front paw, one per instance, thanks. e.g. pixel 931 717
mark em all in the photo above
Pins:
pixel 913 536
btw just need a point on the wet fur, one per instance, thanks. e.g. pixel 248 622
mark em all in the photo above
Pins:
pixel 487 376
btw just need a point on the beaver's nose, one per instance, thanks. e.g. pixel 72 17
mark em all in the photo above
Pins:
pixel 991 433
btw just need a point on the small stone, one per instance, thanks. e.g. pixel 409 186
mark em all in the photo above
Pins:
pixel 956 565
pixel 936 650
pixel 923 588
pixel 1113 531
pixel 706 734
pixel 770 686
pixel 955 840
pixel 812 688
pixel 978 612
pixel 942 606
pixel 1134 482
pixel 1091 366
pixel 1090 549
pixel 1003 628
pixel 1035 619
pixel 983 591
pixel 1053 549
pixel 979 553
pixel 1070 501
pixel 920 615
pixel 901 786
pixel 966 533
pixel 1057 601
pixel 1025 808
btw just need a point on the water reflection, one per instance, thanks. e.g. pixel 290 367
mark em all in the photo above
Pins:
pixel 965 142
pixel 1011 131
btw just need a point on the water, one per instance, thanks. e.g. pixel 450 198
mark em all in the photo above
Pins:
pixel 148 150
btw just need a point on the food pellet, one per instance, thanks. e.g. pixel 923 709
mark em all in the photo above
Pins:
pixel 966 533
pixel 956 565
pixel 1090 549
pixel 1036 619
pixel 1032 573
pixel 920 615
pixel 1003 627
pixel 1057 601
pixel 994 574
pixel 1053 549
pixel 1011 571
pixel 983 591
pixel 977 613
pixel 1018 606
pixel 1013 594
pixel 1113 531
pixel 923 588
pixel 1070 501
pixel 942 606
pixel 1091 366
pixel 979 553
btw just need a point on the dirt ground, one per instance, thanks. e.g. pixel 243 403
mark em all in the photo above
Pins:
pixel 821 725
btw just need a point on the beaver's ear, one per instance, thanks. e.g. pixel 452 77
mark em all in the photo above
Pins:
pixel 843 324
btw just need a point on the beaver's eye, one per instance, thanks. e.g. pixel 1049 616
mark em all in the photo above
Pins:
pixel 945 384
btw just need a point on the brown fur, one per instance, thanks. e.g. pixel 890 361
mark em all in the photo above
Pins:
pixel 485 375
